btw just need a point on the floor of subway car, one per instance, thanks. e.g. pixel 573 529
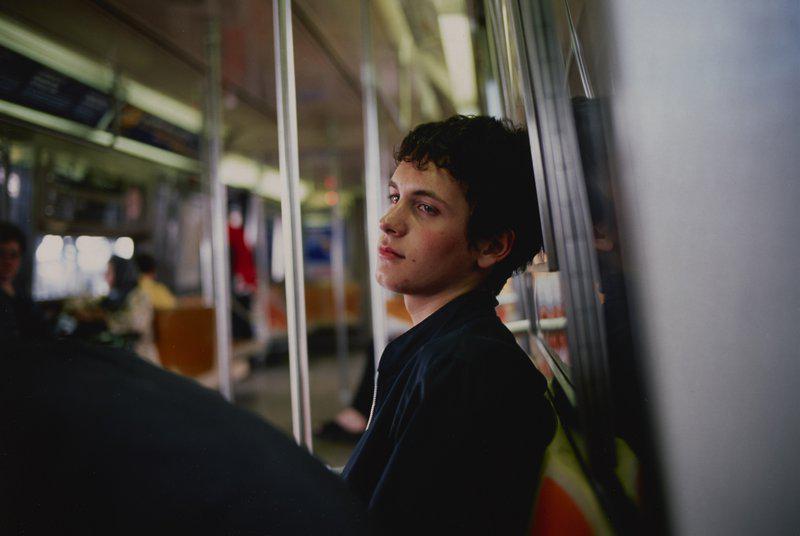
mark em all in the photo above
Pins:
pixel 266 391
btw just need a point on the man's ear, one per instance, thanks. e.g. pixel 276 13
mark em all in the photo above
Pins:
pixel 494 250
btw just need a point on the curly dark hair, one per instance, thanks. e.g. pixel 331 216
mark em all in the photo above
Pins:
pixel 491 160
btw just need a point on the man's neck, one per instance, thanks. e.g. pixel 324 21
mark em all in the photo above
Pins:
pixel 421 307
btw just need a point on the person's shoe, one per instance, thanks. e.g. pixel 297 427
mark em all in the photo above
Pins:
pixel 332 431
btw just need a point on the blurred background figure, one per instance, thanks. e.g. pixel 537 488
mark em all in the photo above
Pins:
pixel 19 316
pixel 161 297
pixel 129 309
pixel 123 318
pixel 243 274
pixel 349 424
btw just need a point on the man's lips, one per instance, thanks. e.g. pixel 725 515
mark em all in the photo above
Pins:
pixel 388 253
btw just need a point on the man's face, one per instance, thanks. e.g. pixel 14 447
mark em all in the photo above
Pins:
pixel 423 249
pixel 10 260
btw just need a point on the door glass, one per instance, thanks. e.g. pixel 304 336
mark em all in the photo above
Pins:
pixel 542 283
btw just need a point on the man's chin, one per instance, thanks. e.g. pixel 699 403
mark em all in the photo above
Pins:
pixel 383 281
pixel 388 283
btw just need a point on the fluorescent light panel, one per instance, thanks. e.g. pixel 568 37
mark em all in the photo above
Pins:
pixel 59 58
pixel 53 122
pixel 163 106
pixel 96 74
pixel 457 43
pixel 242 172
pixel 239 171
pixel 154 154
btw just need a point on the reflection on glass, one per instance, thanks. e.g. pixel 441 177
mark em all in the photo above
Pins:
pixel 550 315
pixel 634 466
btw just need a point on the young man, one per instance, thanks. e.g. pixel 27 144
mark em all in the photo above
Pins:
pixel 459 423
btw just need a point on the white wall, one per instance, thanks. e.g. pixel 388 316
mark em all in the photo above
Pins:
pixel 706 120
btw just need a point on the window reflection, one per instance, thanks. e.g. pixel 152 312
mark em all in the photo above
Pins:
pixel 66 266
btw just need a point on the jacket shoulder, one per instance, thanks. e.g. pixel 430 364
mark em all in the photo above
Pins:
pixel 485 352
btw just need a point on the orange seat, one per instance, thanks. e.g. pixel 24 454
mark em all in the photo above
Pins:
pixel 557 513
pixel 567 504
pixel 185 338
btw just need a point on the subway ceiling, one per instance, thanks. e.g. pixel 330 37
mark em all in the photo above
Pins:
pixel 162 44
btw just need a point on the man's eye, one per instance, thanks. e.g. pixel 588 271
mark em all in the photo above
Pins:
pixel 427 209
pixel 394 198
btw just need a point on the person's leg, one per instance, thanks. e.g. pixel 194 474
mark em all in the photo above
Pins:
pixel 350 422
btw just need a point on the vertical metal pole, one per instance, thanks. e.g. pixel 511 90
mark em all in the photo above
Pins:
pixel 372 180
pixel 577 53
pixel 206 255
pixel 498 53
pixel 219 231
pixel 5 174
pixel 340 300
pixel 523 303
pixel 255 225
pixel 292 229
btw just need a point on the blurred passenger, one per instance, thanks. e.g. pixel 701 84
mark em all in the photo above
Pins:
pixel 98 442
pixel 19 316
pixel 124 317
pixel 459 422
pixel 349 424
pixel 243 274
pixel 160 296
pixel 129 309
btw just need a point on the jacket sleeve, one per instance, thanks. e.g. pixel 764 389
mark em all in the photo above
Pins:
pixel 468 446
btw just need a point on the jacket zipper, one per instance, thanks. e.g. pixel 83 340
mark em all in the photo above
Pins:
pixel 374 399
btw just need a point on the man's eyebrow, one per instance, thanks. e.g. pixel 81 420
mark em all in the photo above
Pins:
pixel 421 193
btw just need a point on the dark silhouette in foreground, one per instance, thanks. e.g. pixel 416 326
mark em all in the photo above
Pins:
pixel 97 441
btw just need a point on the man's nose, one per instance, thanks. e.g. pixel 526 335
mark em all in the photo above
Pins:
pixel 392 222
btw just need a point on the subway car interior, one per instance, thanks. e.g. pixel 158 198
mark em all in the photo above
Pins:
pixel 242 148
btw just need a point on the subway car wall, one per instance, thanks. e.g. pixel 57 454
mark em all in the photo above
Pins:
pixel 249 157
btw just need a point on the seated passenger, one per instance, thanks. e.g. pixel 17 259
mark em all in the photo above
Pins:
pixel 124 318
pixel 459 422
pixel 129 309
pixel 95 441
pixel 19 316
pixel 160 296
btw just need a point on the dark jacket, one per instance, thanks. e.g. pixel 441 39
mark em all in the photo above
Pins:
pixel 459 428
pixel 20 318
pixel 98 441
